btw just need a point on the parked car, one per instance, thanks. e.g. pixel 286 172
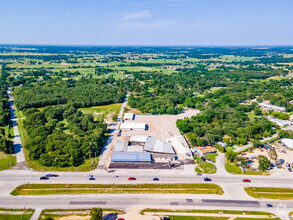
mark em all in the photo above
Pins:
pixel 51 175
pixel 246 180
pixel 269 205
pixel 203 159
pixel 131 178
pixel 92 178
pixel 207 179
pixel 156 179
pixel 44 178
pixel 165 218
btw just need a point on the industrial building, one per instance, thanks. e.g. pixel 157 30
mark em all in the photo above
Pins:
pixel 180 145
pixel 133 127
pixel 281 123
pixel 266 106
pixel 128 117
pixel 131 157
pixel 288 143
pixel 138 139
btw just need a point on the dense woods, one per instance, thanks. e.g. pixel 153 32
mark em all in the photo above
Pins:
pixel 62 136
pixel 82 93
pixel 5 142
pixel 212 124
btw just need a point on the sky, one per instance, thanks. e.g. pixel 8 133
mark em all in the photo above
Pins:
pixel 147 22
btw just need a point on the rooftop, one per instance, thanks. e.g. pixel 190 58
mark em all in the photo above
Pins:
pixel 131 157
pixel 158 146
pixel 133 126
pixel 139 138
pixel 120 146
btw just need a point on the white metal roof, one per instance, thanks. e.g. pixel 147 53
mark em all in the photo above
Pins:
pixel 134 148
pixel 128 116
pixel 179 144
pixel 132 126
pixel 139 138
pixel 158 146
pixel 288 142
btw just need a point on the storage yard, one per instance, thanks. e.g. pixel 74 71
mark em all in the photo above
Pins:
pixel 150 141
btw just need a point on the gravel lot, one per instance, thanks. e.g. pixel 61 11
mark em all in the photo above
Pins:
pixel 160 126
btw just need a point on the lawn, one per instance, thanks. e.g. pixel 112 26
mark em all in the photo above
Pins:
pixel 46 189
pixel 16 214
pixel 101 112
pixel 270 192
pixel 197 218
pixel 234 169
pixel 208 211
pixel 6 161
pixel 89 164
pixel 204 167
pixel 212 157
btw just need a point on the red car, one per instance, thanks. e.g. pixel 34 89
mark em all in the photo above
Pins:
pixel 246 180
pixel 131 178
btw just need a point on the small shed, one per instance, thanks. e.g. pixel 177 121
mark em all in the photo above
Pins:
pixel 128 116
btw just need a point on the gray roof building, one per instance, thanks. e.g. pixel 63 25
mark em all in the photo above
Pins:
pixel 140 157
pixel 158 146
pixel 120 146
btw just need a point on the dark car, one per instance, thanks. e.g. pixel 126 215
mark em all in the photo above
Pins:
pixel 91 178
pixel 49 175
pixel 269 205
pixel 207 179
pixel 156 179
pixel 165 218
pixel 44 178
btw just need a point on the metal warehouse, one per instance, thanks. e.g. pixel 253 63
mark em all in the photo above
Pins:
pixel 133 126
pixel 138 157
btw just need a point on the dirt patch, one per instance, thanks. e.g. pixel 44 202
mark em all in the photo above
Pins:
pixel 160 126
pixel 73 217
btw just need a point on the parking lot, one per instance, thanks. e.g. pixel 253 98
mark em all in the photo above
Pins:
pixel 282 152
pixel 160 126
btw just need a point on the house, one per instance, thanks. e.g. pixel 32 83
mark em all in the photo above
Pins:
pixel 222 144
pixel 133 126
pixel 205 150
pixel 128 117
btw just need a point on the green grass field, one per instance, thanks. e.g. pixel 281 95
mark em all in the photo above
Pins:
pixel 270 192
pixel 6 161
pixel 46 189
pixel 101 112
pixel 212 156
pixel 204 167
pixel 234 169
pixel 16 214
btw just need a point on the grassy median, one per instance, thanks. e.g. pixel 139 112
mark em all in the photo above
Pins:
pixel 16 214
pixel 45 189
pixel 209 214
pixel 270 192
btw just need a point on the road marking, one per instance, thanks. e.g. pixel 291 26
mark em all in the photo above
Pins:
pixel 87 203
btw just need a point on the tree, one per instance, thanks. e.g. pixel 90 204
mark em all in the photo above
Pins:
pixel 264 162
pixel 230 155
pixel 273 154
pixel 96 214
pixel 256 143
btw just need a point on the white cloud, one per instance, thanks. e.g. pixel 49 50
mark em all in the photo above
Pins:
pixel 136 15
pixel 144 26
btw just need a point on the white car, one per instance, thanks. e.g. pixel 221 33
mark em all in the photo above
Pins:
pixel 115 176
